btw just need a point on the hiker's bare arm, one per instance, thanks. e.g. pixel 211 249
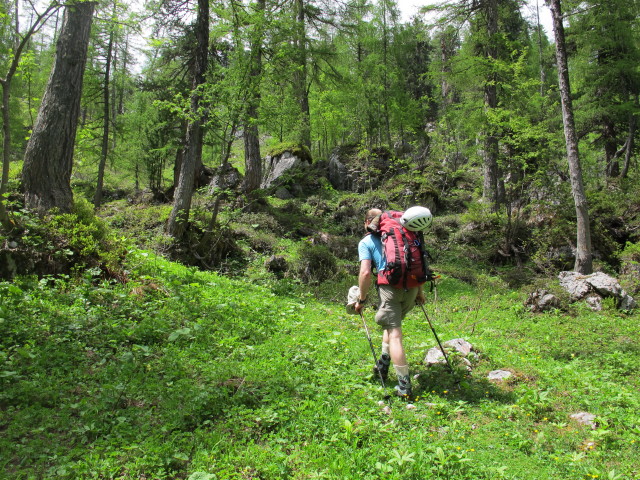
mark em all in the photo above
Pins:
pixel 364 281
pixel 364 278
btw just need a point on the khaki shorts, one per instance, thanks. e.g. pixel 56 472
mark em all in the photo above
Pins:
pixel 395 303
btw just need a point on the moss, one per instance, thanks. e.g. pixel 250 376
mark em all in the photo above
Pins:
pixel 300 151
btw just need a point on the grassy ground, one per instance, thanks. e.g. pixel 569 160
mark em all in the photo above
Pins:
pixel 182 374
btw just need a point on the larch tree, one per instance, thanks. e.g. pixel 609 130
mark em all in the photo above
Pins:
pixel 192 158
pixel 583 262
pixel 20 43
pixel 112 30
pixel 48 160
pixel 252 158
pixel 606 76
pixel 300 75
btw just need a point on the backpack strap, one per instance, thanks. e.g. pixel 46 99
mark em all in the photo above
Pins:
pixel 407 260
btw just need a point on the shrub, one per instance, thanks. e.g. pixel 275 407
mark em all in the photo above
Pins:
pixel 630 267
pixel 62 243
pixel 315 264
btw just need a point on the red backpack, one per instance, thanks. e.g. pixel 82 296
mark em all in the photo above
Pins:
pixel 406 265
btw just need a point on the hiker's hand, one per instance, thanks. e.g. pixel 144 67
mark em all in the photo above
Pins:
pixel 420 298
pixel 359 307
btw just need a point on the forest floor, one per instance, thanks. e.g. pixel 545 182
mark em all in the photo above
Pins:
pixel 183 374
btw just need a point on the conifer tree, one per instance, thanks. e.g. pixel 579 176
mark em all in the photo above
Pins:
pixel 48 159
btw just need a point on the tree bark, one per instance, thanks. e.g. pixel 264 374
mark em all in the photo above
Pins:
pixel 300 75
pixel 48 160
pixel 179 217
pixel 630 142
pixel 252 157
pixel 5 83
pixel 583 263
pixel 104 153
pixel 492 180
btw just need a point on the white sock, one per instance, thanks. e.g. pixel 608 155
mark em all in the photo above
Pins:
pixel 402 370
pixel 385 349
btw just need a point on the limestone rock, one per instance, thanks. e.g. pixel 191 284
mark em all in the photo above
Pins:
pixel 541 301
pixel 277 166
pixel 461 345
pixel 499 375
pixel 597 284
pixel 585 418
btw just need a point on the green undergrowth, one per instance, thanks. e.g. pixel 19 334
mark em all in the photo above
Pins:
pixel 182 374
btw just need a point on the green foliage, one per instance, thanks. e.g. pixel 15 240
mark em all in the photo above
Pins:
pixel 67 242
pixel 630 268
pixel 126 365
pixel 186 374
pixel 315 264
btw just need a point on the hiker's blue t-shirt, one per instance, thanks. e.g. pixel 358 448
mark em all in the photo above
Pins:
pixel 370 248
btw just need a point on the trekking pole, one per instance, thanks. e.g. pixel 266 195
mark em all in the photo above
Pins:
pixel 437 339
pixel 373 351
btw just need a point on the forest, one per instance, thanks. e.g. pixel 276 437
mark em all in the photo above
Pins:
pixel 183 189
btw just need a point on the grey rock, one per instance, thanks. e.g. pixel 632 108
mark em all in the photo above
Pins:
pixel 459 344
pixel 541 301
pixel 277 166
pixel 499 375
pixel 574 283
pixel 434 355
pixel 337 173
pixel 594 302
pixel 597 284
pixel 224 177
pixel 283 194
pixel 627 303
pixel 604 285
pixel 585 418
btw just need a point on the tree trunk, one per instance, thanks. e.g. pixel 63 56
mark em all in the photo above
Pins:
pixel 300 76
pixel 97 198
pixel 179 217
pixel 492 180
pixel 252 157
pixel 583 262
pixel 629 143
pixel 543 75
pixel 48 160
pixel 5 83
pixel 610 143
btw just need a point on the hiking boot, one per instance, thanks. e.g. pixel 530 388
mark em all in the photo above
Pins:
pixel 381 367
pixel 403 389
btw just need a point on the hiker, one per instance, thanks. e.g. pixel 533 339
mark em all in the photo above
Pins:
pixel 395 303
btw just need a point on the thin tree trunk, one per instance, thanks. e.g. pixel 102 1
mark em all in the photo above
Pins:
pixel 491 187
pixel 300 76
pixel 543 75
pixel 629 143
pixel 583 263
pixel 97 198
pixel 611 159
pixel 48 160
pixel 179 217
pixel 252 157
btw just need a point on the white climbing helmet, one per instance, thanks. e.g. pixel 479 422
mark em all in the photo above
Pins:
pixel 416 219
